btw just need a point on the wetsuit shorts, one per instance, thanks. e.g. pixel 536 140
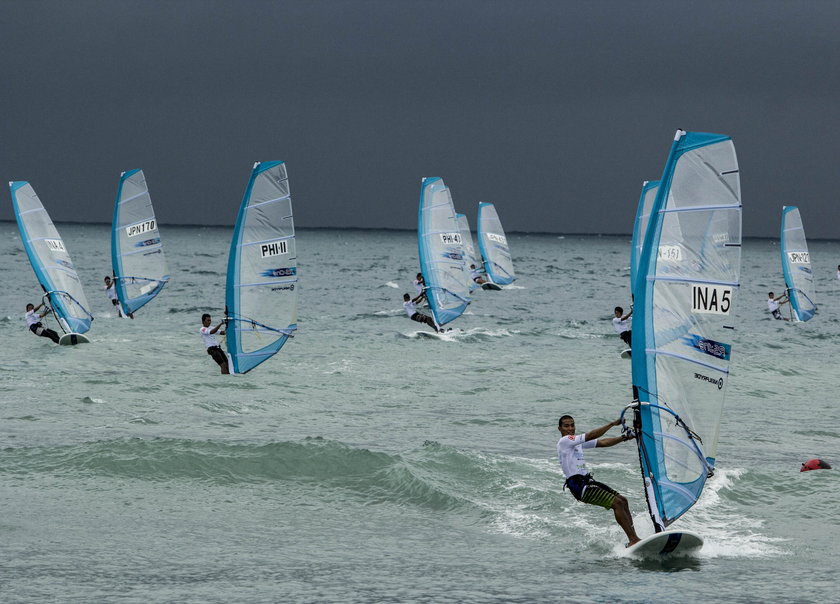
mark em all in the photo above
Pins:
pixel 589 490
pixel 218 354
pixel 419 317
pixel 777 314
pixel 34 328
pixel 625 335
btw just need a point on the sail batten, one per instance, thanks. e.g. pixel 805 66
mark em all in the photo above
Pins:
pixel 262 270
pixel 685 292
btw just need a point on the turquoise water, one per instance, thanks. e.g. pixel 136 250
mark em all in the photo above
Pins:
pixel 366 463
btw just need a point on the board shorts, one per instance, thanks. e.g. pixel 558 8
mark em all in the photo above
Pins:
pixel 419 317
pixel 625 335
pixel 115 302
pixel 588 490
pixel 218 354
pixel 777 314
pixel 35 327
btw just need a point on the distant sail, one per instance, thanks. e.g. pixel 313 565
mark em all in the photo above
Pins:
pixel 649 189
pixel 50 260
pixel 136 251
pixel 493 245
pixel 687 286
pixel 796 265
pixel 470 258
pixel 262 296
pixel 441 251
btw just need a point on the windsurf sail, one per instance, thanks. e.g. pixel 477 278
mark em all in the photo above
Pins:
pixel 492 242
pixel 50 260
pixel 137 255
pixel 441 250
pixel 469 248
pixel 262 296
pixel 796 265
pixel 649 189
pixel 686 291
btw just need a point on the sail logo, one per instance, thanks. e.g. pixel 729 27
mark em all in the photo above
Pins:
pixel 705 378
pixel 139 229
pixel 55 245
pixel 711 299
pixel 670 253
pixel 453 255
pixel 497 238
pixel 716 349
pixel 274 248
pixel 451 238
pixel 799 257
pixel 147 242
pixel 290 271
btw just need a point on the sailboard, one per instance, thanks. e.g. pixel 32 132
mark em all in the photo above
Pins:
pixel 51 263
pixel 261 296
pixel 492 242
pixel 796 266
pixel 470 258
pixel 137 257
pixel 685 294
pixel 441 251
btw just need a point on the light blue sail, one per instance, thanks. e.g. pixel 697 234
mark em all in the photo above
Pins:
pixel 687 286
pixel 441 251
pixel 137 257
pixel 470 259
pixel 646 199
pixel 50 260
pixel 492 241
pixel 261 296
pixel 796 265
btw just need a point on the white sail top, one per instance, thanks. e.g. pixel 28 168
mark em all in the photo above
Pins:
pixel 137 255
pixel 50 260
pixel 493 244
pixel 262 295
pixel 796 265
pixel 684 319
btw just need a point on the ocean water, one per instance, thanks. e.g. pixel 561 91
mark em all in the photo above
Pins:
pixel 367 463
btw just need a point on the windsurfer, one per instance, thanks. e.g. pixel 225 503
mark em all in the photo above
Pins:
pixel 622 327
pixel 475 275
pixel 774 303
pixel 34 324
pixel 581 484
pixel 111 292
pixel 213 348
pixel 420 287
pixel 410 306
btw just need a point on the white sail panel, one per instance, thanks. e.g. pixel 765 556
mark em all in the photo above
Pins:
pixel 441 252
pixel 137 256
pixel 470 258
pixel 493 244
pixel 262 294
pixel 682 337
pixel 796 265
pixel 50 260
pixel 648 195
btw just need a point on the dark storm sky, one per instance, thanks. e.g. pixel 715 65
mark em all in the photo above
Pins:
pixel 556 111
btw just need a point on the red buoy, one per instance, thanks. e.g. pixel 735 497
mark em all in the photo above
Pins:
pixel 815 464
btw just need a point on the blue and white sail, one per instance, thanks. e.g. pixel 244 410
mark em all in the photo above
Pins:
pixel 686 291
pixel 261 297
pixel 137 257
pixel 649 189
pixel 493 244
pixel 796 265
pixel 470 258
pixel 441 250
pixel 50 260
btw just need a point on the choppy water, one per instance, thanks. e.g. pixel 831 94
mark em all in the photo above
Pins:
pixel 367 464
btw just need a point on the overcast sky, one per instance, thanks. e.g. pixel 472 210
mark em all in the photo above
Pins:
pixel 555 111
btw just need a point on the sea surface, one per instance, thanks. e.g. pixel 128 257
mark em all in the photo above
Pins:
pixel 368 463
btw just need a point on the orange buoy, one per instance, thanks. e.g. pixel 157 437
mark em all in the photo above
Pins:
pixel 815 464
